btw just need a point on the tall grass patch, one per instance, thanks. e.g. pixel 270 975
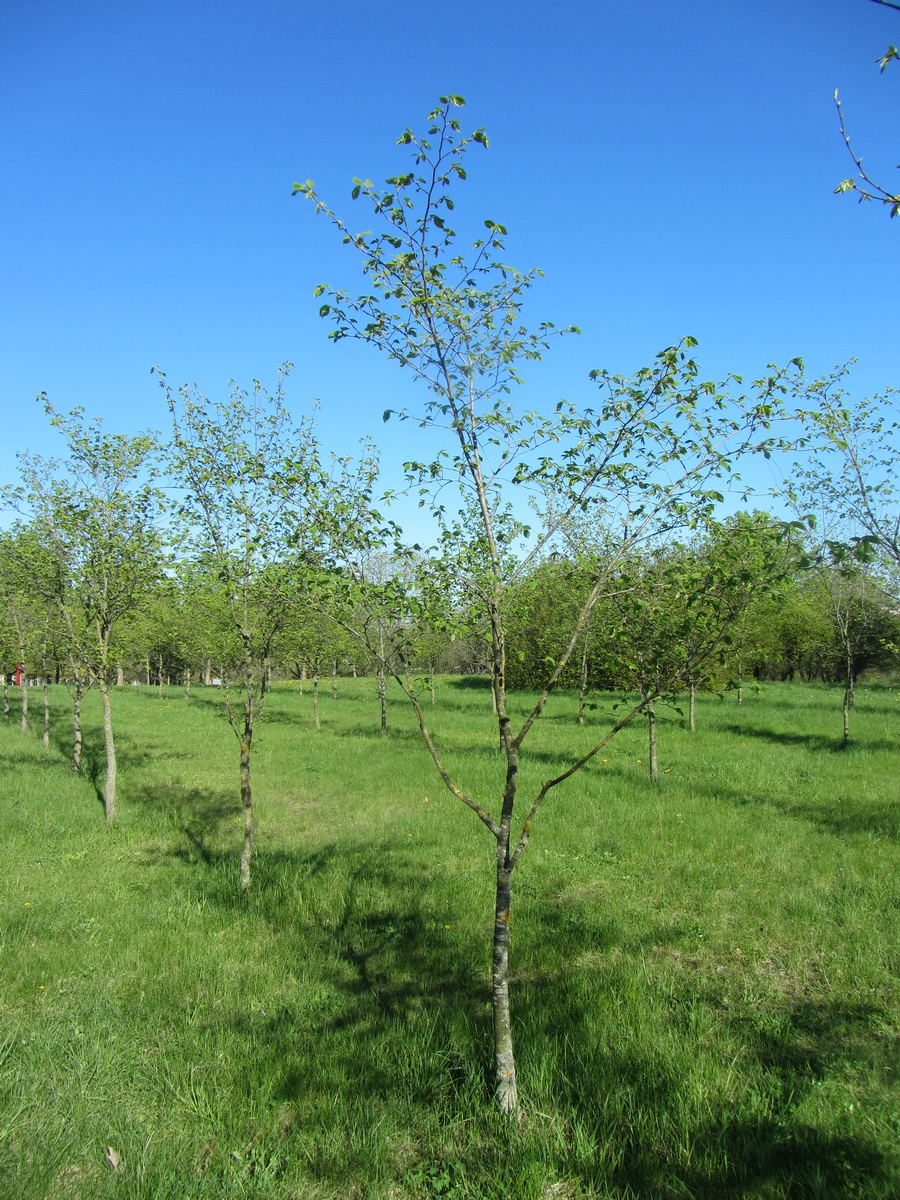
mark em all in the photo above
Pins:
pixel 705 970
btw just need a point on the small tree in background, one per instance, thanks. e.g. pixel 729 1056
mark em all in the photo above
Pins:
pixel 261 512
pixel 97 511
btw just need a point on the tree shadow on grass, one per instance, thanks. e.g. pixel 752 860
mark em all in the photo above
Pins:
pixel 374 734
pixel 811 741
pixel 198 816
pixel 850 816
pixel 395 1035
pixel 646 1139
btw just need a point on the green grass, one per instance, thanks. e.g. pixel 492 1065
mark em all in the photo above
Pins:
pixel 705 971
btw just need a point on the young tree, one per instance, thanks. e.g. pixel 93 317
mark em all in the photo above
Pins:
pixel 646 458
pixel 848 481
pixel 260 510
pixel 97 511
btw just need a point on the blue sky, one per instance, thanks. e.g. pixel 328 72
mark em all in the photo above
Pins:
pixel 670 167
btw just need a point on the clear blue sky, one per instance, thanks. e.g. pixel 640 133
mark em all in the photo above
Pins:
pixel 669 166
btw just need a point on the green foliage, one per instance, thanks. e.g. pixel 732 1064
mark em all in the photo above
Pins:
pixel 94 525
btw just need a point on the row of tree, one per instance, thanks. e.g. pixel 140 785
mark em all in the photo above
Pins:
pixel 269 553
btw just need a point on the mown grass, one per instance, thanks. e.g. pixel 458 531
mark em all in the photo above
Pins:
pixel 705 971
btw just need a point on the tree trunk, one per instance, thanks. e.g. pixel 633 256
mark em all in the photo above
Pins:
pixel 76 724
pixel 582 686
pixel 740 691
pixel 848 700
pixel 382 698
pixel 109 783
pixel 159 674
pixel 24 723
pixel 187 682
pixel 5 698
pixel 334 667
pixel 120 676
pixel 433 701
pixel 504 1060
pixel 651 730
pixel 45 736
pixel 247 800
pixel 316 721
pixel 692 722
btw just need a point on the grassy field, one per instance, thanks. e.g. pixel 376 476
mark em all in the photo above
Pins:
pixel 705 971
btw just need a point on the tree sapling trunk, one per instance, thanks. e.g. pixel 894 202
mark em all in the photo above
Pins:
pixel 109 782
pixel 45 736
pixel 76 723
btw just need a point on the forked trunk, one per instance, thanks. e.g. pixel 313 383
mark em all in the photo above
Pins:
pixel 109 782
pixel 316 720
pixel 504 1060
pixel 651 731
pixel 76 724
pixel 246 802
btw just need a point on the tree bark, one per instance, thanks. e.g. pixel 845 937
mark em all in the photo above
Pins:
pixel 247 801
pixel 109 782
pixel 334 667
pixel 120 676
pixel 316 720
pixel 45 736
pixel 5 698
pixel 651 731
pixel 159 675
pixel 504 1059
pixel 692 723
pixel 582 688
pixel 187 682
pixel 76 724
pixel 382 698
pixel 24 722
